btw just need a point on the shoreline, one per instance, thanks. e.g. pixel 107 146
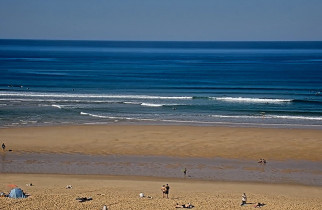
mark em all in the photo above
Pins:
pixel 209 153
pixel 211 169
pixel 149 178
pixel 174 123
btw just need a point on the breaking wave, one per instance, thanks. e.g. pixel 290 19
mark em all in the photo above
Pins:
pixel 56 106
pixel 268 117
pixel 251 100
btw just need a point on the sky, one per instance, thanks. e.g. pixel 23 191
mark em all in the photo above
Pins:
pixel 162 20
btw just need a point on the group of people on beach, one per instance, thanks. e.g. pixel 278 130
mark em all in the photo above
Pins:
pixel 165 190
pixel 262 161
pixel 244 202
pixel 165 193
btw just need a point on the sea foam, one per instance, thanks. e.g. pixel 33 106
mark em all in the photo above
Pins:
pixel 56 106
pixel 268 117
pixel 251 100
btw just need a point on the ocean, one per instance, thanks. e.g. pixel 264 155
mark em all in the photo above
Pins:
pixel 244 84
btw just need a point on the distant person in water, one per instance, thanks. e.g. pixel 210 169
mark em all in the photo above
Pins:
pixel 3 146
pixel 262 161
pixel 185 172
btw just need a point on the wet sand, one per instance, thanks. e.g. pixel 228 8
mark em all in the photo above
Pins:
pixel 214 169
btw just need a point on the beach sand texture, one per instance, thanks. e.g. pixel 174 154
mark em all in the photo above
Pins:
pixel 120 193
pixel 179 141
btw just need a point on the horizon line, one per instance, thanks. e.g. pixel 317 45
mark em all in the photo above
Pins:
pixel 111 40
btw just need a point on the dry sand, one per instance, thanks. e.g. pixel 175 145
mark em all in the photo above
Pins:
pixel 181 141
pixel 121 192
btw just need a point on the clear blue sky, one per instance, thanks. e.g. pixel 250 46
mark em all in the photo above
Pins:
pixel 199 20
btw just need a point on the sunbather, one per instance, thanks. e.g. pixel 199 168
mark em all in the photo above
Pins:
pixel 258 205
pixel 83 199
pixel 187 206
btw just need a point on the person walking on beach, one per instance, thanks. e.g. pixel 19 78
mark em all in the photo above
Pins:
pixel 3 146
pixel 244 199
pixel 167 190
pixel 185 172
pixel 163 189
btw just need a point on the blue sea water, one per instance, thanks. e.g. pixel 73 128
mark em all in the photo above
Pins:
pixel 252 84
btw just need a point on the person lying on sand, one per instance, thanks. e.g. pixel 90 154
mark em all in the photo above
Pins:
pixel 187 206
pixel 259 205
pixel 83 199
pixel 143 196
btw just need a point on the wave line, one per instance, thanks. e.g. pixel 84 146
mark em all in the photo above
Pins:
pixel 251 100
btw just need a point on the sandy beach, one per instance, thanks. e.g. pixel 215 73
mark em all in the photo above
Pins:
pixel 186 142
pixel 178 141
pixel 120 193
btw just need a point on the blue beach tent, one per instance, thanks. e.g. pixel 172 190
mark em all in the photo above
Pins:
pixel 16 193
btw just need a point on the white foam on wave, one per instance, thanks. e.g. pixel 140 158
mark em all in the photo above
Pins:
pixel 43 105
pixel 64 95
pixel 294 117
pixel 57 106
pixel 237 116
pixel 289 117
pixel 115 118
pixel 93 115
pixel 105 117
pixel 131 102
pixel 151 105
pixel 251 100
pixel 56 100
pixel 150 120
